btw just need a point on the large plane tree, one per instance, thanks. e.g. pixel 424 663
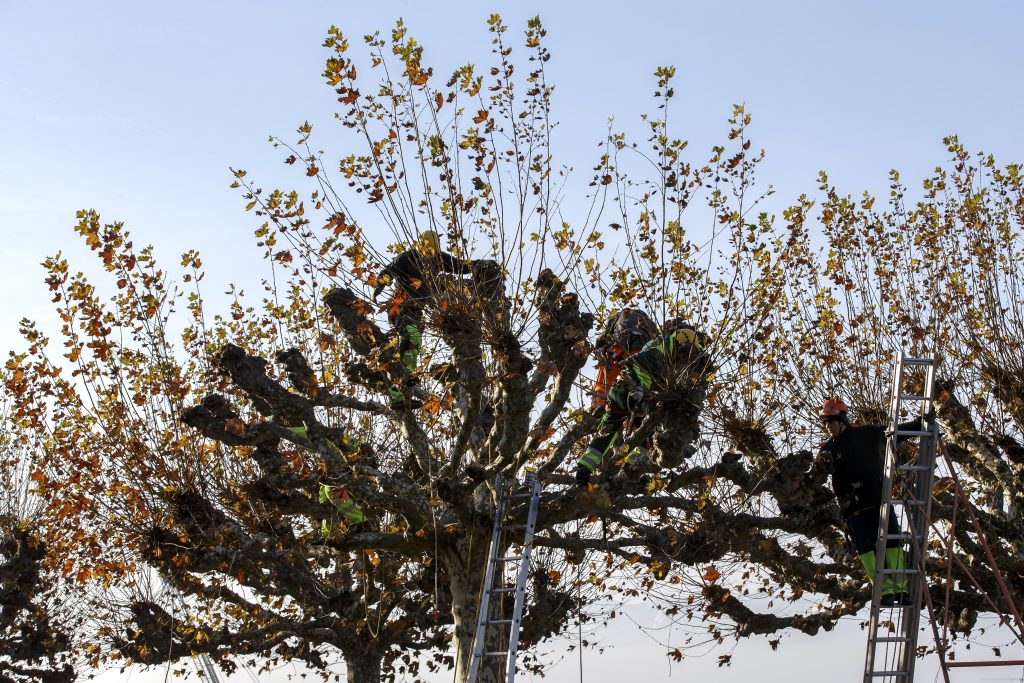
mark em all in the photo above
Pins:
pixel 221 469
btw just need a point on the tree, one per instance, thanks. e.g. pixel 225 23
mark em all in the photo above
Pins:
pixel 235 533
pixel 735 514
pixel 37 606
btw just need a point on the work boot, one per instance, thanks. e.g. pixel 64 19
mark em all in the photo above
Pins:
pixel 582 475
pixel 901 599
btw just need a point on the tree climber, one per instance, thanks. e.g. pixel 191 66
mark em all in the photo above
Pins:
pixel 344 507
pixel 623 335
pixel 854 457
pixel 412 273
pixel 629 398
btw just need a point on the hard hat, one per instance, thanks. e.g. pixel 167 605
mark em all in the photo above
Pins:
pixel 428 242
pixel 688 335
pixel 833 407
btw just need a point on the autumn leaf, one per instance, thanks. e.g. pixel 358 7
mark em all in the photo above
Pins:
pixel 711 574
pixel 235 426
pixel 432 405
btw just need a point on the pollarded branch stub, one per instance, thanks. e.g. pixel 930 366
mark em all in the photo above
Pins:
pixel 563 328
pixel 1008 386
pixel 215 419
pixel 299 373
pixel 249 373
pixel 352 315
pixel 746 436
pixel 26 629
pixel 551 607
pixel 154 639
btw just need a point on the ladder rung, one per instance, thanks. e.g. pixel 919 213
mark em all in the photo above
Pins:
pixel 893 639
pixel 508 558
pixel 902 537
pixel 504 590
pixel 912 432
pixel 890 673
pixel 913 468
pixel 498 622
pixel 494 654
pixel 913 397
pixel 512 527
pixel 521 495
pixel 906 501
pixel 918 361
pixel 886 570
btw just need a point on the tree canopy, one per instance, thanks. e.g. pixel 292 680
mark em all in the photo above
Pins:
pixel 215 455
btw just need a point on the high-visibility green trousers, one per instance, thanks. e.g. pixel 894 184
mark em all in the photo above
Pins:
pixel 895 558
pixel 410 344
pixel 344 506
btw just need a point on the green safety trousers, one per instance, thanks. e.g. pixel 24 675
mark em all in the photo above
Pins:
pixel 344 507
pixel 894 559
pixel 407 320
pixel 609 433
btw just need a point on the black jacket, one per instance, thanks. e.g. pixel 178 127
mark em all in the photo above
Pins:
pixel 858 458
pixel 411 271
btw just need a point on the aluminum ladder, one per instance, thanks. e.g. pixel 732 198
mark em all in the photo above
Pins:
pixel 496 574
pixel 892 631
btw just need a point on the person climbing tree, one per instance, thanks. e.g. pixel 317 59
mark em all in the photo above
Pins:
pixel 629 398
pixel 412 273
pixel 854 456
pixel 344 508
pixel 623 335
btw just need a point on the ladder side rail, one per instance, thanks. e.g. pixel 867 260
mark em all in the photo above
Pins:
pixel 919 527
pixel 919 487
pixel 523 575
pixel 483 606
pixel 211 673
pixel 888 472
pixel 926 458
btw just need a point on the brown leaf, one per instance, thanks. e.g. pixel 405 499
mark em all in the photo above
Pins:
pixel 711 574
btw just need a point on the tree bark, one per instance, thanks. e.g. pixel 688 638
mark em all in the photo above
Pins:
pixel 363 667
pixel 466 572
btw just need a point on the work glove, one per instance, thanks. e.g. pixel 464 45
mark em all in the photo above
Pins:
pixel 635 399
pixel 929 417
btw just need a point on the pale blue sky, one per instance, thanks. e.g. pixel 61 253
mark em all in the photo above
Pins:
pixel 137 109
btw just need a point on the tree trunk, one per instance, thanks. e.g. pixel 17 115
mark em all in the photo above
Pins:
pixel 362 667
pixel 467 571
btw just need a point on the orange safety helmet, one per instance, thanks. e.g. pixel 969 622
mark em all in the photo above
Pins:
pixel 833 407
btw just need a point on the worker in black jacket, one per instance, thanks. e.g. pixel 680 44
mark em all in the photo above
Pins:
pixel 854 456
pixel 412 273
